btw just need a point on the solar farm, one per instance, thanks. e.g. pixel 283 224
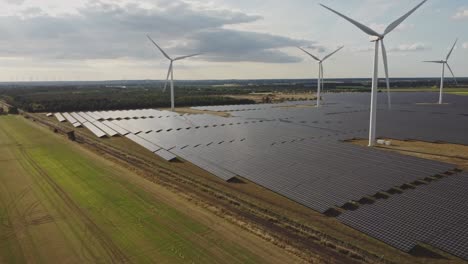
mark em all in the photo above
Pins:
pixel 303 153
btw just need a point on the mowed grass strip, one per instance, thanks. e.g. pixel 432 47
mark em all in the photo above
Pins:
pixel 80 208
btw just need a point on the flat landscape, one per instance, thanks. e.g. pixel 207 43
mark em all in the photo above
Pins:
pixel 63 203
pixel 291 135
pixel 244 132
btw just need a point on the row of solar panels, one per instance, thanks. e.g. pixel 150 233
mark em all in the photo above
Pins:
pixel 152 147
pixel 110 128
pixel 425 123
pixel 435 214
pixel 319 174
pixel 115 115
pixel 249 107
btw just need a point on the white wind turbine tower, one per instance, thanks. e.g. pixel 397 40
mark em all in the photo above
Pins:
pixel 320 83
pixel 445 63
pixel 170 72
pixel 379 39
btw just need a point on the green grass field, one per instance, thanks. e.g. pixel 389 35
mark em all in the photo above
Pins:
pixel 60 203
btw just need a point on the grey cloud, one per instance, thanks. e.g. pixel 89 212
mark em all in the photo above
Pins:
pixel 109 31
pixel 15 2
pixel 235 45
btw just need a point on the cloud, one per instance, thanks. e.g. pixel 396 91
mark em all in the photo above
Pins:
pixel 381 27
pixel 102 30
pixel 15 2
pixel 234 45
pixel 409 47
pixel 414 47
pixel 465 45
pixel 461 14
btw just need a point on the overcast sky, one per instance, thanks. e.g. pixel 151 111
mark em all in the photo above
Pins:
pixel 239 39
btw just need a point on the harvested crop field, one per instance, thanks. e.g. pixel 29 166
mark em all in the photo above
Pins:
pixel 62 203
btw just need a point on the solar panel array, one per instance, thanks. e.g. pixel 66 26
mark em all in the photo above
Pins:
pixel 299 152
pixel 320 173
pixel 435 214
pixel 251 107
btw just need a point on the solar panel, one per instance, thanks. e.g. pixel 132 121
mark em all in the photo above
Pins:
pixel 69 118
pixel 109 131
pixel 165 155
pixel 144 143
pixel 87 117
pixel 78 117
pixel 59 117
pixel 96 131
pixel 115 127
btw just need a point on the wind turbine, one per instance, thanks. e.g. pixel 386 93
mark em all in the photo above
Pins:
pixel 444 63
pixel 320 83
pixel 170 72
pixel 378 39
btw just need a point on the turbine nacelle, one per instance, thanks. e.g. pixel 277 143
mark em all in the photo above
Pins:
pixel 376 38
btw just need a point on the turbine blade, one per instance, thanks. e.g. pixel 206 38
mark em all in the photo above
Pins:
pixel 314 57
pixel 434 61
pixel 385 62
pixel 450 69
pixel 357 24
pixel 162 51
pixel 188 56
pixel 331 54
pixel 167 78
pixel 450 53
pixel 397 22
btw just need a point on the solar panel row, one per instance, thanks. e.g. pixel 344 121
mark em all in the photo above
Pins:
pixel 96 131
pixel 70 118
pixel 434 214
pixel 109 131
pixel 250 107
pixel 319 174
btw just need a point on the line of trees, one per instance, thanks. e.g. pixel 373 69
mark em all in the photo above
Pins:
pixel 102 98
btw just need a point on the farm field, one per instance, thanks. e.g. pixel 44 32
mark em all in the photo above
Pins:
pixel 62 203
